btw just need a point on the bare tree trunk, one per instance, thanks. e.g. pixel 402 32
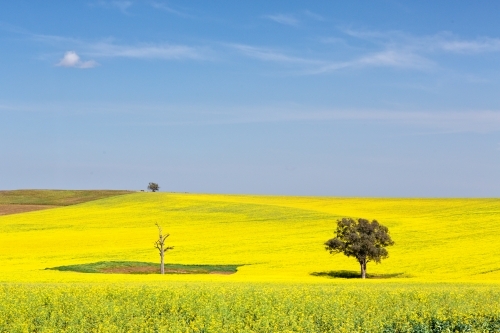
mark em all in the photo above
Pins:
pixel 160 245
pixel 362 264
pixel 162 259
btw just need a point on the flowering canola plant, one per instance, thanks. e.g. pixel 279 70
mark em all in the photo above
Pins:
pixel 247 307
pixel 441 275
pixel 274 238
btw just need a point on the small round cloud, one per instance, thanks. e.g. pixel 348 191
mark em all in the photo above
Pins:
pixel 71 59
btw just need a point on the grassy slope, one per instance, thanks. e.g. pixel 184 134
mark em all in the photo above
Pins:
pixel 279 238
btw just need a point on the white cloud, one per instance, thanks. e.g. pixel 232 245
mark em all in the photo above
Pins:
pixel 120 5
pixel 286 19
pixel 314 16
pixel 147 51
pixel 310 66
pixel 394 58
pixel 267 54
pixel 109 49
pixel 478 121
pixel 388 58
pixel 332 40
pixel 391 49
pixel 474 46
pixel 71 59
pixel 162 6
pixel 443 41
pixel 447 121
pixel 291 19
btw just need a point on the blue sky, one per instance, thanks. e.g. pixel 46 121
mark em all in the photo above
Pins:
pixel 352 98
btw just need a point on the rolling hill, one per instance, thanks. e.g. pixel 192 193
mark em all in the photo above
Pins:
pixel 271 238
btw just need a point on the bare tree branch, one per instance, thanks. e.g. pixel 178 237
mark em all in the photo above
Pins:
pixel 160 245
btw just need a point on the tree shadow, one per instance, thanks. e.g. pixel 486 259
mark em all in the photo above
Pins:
pixel 354 275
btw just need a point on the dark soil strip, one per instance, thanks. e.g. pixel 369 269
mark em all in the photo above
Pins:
pixel 22 201
pixel 16 209
pixel 55 197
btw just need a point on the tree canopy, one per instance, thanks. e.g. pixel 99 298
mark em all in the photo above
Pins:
pixel 361 239
pixel 153 187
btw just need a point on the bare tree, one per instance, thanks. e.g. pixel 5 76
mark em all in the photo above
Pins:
pixel 160 245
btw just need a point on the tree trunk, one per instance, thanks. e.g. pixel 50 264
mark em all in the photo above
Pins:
pixel 362 263
pixel 162 260
pixel 160 245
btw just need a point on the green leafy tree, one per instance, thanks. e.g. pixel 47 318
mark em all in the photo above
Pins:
pixel 361 239
pixel 153 187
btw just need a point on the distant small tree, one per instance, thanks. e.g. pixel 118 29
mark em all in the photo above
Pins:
pixel 361 239
pixel 160 245
pixel 153 187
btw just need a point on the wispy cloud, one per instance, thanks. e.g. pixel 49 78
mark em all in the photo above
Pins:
pixel 71 59
pixel 479 121
pixel 452 121
pixel 145 51
pixel 449 121
pixel 314 16
pixel 120 5
pixel 287 19
pixel 169 9
pixel 110 49
pixel 440 42
pixel 393 49
pixel 292 19
pixel 402 50
pixel 476 46
pixel 393 58
pixel 267 54
pixel 387 58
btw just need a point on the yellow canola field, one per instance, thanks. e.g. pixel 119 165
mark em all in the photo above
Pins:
pixel 247 308
pixel 275 238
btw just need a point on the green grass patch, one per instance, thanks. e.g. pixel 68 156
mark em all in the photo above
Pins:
pixel 355 275
pixel 138 267
pixel 55 197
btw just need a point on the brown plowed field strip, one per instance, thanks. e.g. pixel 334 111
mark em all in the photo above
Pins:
pixel 15 209
pixel 22 201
